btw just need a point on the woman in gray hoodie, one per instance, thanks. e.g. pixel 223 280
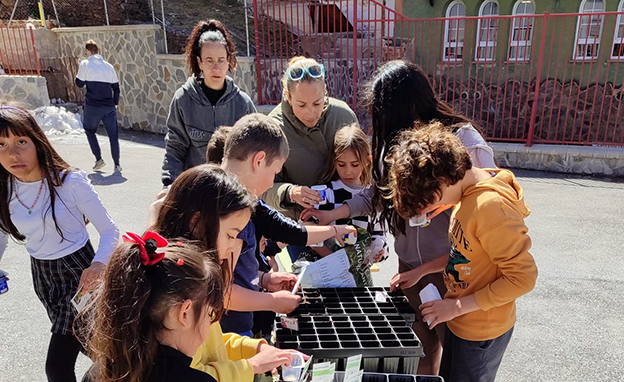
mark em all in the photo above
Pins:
pixel 399 96
pixel 209 99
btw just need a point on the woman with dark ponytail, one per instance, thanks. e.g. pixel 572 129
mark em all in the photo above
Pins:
pixel 153 311
pixel 209 99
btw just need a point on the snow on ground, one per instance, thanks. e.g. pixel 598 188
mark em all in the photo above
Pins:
pixel 57 121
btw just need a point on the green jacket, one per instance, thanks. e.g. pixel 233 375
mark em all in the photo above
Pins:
pixel 309 151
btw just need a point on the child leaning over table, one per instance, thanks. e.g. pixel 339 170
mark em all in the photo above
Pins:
pixel 489 265
pixel 348 173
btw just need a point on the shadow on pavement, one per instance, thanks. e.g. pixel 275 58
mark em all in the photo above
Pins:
pixel 98 179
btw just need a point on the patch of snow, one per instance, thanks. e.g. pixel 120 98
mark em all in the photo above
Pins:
pixel 57 121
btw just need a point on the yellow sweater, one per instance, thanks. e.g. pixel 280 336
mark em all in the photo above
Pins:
pixel 224 356
pixel 489 256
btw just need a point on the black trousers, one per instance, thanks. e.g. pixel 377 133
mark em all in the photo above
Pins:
pixel 61 360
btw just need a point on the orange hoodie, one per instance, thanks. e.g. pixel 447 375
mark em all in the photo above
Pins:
pixel 489 256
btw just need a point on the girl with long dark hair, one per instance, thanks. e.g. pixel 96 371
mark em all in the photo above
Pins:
pixel 210 205
pixel 44 204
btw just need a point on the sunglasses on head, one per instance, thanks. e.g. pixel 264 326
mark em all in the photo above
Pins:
pixel 298 72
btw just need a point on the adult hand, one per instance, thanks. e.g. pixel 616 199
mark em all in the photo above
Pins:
pixel 285 302
pixel 324 217
pixel 269 358
pixel 405 280
pixel 440 311
pixel 276 281
pixel 90 275
pixel 304 196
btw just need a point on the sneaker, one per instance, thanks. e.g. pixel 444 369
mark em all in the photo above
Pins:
pixel 99 164
pixel 117 168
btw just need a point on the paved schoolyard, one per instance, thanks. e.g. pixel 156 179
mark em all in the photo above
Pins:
pixel 569 328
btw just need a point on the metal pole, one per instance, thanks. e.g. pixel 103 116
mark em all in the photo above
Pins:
pixel 106 11
pixel 153 14
pixel 12 13
pixel 162 10
pixel 42 14
pixel 538 78
pixel 247 28
pixel 58 22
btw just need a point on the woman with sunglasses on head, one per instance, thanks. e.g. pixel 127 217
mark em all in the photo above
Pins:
pixel 207 100
pixel 310 120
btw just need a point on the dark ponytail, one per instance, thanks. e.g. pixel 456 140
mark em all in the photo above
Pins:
pixel 195 42
pixel 133 301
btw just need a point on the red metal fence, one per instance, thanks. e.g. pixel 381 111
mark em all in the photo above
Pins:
pixel 546 78
pixel 18 55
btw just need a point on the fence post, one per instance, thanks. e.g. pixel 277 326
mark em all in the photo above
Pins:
pixel 32 38
pixel 355 55
pixel 538 79
pixel 258 52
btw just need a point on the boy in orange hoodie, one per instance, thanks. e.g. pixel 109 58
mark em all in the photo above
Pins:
pixel 489 265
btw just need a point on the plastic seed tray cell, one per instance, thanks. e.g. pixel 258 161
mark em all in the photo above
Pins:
pixel 353 301
pixel 375 335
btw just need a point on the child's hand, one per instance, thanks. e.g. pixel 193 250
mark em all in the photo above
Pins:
pixel 90 275
pixel 276 281
pixel 324 217
pixel 439 311
pixel 343 230
pixel 379 255
pixel 285 302
pixel 305 196
pixel 405 280
pixel 269 358
pixel 154 210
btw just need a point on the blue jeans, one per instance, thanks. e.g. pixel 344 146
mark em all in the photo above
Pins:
pixel 472 361
pixel 91 120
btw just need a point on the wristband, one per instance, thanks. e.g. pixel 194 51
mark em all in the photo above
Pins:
pixel 335 230
pixel 261 280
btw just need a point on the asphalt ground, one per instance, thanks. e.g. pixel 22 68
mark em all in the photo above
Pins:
pixel 569 327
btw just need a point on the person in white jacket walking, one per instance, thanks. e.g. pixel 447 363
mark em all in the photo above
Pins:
pixel 101 102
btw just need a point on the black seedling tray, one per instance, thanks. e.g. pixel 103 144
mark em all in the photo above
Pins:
pixel 383 377
pixel 373 336
pixel 353 301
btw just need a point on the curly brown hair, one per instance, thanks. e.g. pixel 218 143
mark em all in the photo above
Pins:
pixel 195 42
pixel 423 161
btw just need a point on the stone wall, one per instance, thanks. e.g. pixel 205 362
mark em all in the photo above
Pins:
pixel 30 91
pixel 147 79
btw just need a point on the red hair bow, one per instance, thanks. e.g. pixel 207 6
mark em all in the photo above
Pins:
pixel 147 246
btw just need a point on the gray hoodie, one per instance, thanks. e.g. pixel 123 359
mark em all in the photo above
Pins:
pixel 192 120
pixel 420 245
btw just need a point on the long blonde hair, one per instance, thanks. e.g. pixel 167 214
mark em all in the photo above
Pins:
pixel 351 137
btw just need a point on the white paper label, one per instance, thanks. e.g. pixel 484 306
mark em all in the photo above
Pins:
pixel 290 323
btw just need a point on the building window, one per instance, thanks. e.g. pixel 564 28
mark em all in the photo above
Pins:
pixel 454 32
pixel 521 31
pixel 617 52
pixel 589 30
pixel 487 31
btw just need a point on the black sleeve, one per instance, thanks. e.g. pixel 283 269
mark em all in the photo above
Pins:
pixel 274 225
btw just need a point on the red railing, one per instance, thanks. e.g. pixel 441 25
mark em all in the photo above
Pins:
pixel 18 55
pixel 547 78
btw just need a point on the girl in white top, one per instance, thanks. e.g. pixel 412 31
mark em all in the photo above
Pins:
pixel 45 204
